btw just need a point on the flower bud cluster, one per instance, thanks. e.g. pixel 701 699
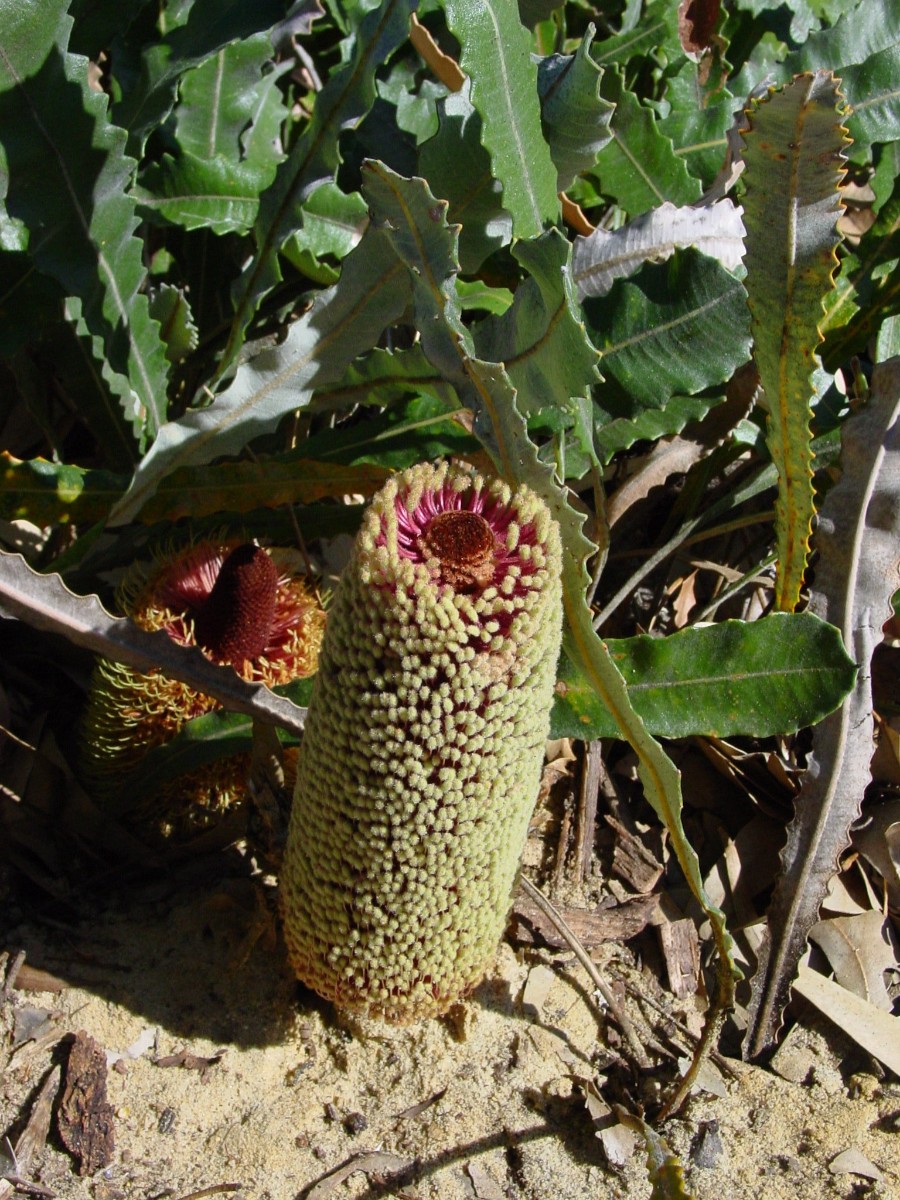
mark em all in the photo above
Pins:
pixel 422 754
pixel 243 605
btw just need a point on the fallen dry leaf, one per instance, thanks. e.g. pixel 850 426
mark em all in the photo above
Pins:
pixel 859 953
pixel 854 1162
pixel 877 837
pixel 615 924
pixel 875 1030
pixel 372 1162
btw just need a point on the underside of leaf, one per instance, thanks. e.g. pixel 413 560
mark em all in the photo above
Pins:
pixel 794 150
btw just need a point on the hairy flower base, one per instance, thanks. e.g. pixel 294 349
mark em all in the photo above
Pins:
pixel 277 621
pixel 421 759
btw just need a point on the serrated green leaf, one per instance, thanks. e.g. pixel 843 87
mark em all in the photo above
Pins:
pixel 212 193
pixel 638 167
pixel 863 49
pixel 496 55
pixel 699 118
pixel 169 306
pixel 873 97
pixel 227 126
pixel 794 154
pixel 678 327
pixel 574 115
pixel 333 223
pixel 383 377
pixel 107 402
pixel 858 35
pixel 211 24
pixel 68 177
pixel 541 339
pixel 346 97
pixel 458 169
pixel 613 433
pixel 219 100
pixel 428 248
pixel 264 483
pixel 343 321
pixel 759 678
pixel 657 27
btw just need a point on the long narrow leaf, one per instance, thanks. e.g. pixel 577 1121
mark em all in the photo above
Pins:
pixel 68 178
pixel 604 257
pixel 344 321
pixel 343 101
pixel 757 678
pixel 794 154
pixel 496 56
pixel 858 537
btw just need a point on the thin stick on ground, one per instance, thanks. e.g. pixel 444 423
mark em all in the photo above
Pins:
pixel 33 1137
pixel 215 1190
pixel 619 1015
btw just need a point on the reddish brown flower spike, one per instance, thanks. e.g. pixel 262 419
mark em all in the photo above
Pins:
pixel 235 622
pixel 463 543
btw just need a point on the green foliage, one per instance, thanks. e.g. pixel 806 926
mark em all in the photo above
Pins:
pixel 754 678
pixel 68 183
pixel 794 154
pixel 495 54
pixel 674 329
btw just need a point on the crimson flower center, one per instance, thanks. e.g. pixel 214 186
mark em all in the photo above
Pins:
pixel 463 544
pixel 235 621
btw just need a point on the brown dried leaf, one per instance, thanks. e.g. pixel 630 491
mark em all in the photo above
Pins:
pixel 859 954
pixel 374 1162
pixel 696 25
pixel 876 1031
pixel 858 538
pixel 878 840
pixel 854 1162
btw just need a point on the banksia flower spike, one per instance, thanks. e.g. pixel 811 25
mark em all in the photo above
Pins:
pixel 422 754
pixel 242 605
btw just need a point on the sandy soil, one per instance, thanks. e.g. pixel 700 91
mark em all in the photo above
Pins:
pixel 486 1104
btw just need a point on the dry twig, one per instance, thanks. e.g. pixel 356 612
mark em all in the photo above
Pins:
pixel 619 1015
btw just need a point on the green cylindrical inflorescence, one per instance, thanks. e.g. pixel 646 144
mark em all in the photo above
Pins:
pixel 422 754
